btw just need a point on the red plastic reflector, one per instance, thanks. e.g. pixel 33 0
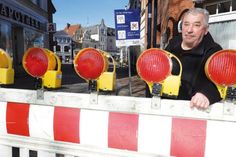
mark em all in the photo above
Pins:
pixel 36 62
pixel 221 67
pixel 154 65
pixel 89 64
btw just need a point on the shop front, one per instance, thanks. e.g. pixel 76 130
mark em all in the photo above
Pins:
pixel 21 27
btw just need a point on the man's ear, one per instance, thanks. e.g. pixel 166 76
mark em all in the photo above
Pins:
pixel 207 30
pixel 180 26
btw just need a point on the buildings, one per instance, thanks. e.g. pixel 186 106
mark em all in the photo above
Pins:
pixel 63 46
pixel 75 37
pixel 222 21
pixel 23 24
pixel 159 20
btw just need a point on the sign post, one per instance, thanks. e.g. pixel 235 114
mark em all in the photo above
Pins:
pixel 127 25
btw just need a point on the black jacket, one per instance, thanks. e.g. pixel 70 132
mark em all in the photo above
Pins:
pixel 193 78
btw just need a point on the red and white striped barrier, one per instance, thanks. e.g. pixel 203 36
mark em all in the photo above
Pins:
pixel 166 130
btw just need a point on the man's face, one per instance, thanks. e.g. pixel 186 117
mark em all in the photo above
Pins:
pixel 193 30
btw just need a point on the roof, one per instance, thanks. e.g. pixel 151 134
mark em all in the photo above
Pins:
pixel 92 29
pixel 61 33
pixel 71 29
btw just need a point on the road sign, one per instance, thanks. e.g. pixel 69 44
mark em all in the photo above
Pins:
pixel 127 24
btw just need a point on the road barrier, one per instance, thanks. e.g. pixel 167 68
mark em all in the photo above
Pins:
pixel 74 124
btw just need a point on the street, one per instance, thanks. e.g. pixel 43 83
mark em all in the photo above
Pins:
pixel 71 82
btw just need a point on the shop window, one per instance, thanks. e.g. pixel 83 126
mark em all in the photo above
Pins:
pixel 6 37
pixel 33 39
pixel 224 7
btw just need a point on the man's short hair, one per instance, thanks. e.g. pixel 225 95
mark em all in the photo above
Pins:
pixel 204 12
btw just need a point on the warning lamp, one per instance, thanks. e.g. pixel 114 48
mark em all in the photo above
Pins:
pixel 155 67
pixel 92 65
pixel 220 68
pixel 89 64
pixel 6 71
pixel 41 63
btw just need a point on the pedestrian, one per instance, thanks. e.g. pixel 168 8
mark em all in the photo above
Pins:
pixel 193 47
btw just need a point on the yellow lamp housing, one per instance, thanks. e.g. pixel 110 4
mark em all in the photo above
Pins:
pixel 221 70
pixel 41 64
pixel 107 80
pixel 154 66
pixel 52 78
pixel 93 65
pixel 6 71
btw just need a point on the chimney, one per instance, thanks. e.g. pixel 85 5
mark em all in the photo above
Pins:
pixel 68 26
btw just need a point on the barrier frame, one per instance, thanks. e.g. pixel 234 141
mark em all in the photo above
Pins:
pixel 222 112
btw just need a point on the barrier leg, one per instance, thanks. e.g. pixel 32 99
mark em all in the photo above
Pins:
pixel 5 151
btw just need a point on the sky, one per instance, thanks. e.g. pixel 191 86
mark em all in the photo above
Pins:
pixel 86 12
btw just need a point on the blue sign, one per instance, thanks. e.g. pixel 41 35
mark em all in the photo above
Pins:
pixel 127 25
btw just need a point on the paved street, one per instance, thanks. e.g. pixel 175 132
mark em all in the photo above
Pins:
pixel 71 82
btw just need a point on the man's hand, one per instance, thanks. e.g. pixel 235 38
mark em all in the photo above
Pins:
pixel 199 101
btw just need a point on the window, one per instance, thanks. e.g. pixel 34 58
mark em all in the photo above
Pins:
pixel 212 9
pixel 103 32
pixel 66 48
pixel 221 7
pixel 37 2
pixel 6 37
pixel 33 39
pixel 233 5
pixel 224 7
pixel 58 48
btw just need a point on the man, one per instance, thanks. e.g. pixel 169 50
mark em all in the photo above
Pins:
pixel 193 48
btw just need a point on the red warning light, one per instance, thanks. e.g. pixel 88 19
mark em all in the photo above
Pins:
pixel 221 67
pixel 35 62
pixel 154 65
pixel 89 63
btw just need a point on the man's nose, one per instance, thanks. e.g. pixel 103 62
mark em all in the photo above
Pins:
pixel 190 28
